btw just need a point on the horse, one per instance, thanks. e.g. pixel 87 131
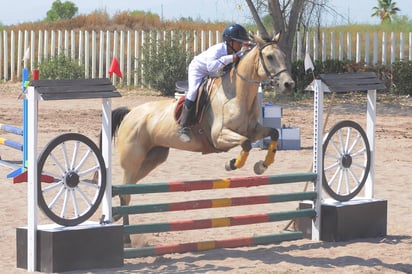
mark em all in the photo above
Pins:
pixel 147 132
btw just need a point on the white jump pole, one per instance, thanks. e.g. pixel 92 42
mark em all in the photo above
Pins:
pixel 32 98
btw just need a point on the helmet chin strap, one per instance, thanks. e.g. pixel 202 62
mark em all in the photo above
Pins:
pixel 230 46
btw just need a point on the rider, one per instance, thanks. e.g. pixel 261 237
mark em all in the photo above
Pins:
pixel 209 63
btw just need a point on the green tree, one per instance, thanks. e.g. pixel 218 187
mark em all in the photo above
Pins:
pixel 61 10
pixel 385 10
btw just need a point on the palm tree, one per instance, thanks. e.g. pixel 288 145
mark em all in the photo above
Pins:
pixel 385 10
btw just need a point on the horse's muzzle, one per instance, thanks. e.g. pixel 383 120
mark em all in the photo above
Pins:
pixel 283 84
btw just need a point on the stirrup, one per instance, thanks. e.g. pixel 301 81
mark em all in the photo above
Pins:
pixel 184 135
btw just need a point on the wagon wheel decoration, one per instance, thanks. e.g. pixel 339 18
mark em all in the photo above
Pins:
pixel 71 179
pixel 346 160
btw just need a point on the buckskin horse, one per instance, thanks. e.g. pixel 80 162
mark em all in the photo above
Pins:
pixel 230 118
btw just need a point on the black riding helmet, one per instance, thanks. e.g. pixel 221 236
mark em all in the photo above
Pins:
pixel 235 32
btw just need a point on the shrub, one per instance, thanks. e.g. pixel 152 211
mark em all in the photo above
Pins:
pixel 397 77
pixel 60 67
pixel 402 77
pixel 303 78
pixel 167 63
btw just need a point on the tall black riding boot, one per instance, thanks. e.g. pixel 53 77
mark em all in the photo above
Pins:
pixel 184 131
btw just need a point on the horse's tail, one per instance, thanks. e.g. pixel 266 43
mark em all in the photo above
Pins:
pixel 117 117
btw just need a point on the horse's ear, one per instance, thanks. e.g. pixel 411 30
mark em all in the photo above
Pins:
pixel 276 37
pixel 252 36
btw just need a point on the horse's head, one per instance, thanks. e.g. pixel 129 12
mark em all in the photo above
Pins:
pixel 272 63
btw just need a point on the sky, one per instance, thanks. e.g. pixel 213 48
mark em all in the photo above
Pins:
pixel 353 11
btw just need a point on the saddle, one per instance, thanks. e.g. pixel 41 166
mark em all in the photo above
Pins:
pixel 202 100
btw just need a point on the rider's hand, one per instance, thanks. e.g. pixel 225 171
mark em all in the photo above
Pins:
pixel 236 58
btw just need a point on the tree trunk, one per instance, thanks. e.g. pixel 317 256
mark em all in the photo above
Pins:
pixel 256 17
pixel 281 23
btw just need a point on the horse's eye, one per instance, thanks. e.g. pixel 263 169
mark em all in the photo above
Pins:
pixel 269 57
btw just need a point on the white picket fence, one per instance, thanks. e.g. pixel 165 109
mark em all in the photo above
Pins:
pixel 95 50
pixel 371 48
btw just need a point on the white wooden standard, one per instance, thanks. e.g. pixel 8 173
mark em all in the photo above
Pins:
pixel 370 132
pixel 32 107
pixel 33 98
pixel 317 155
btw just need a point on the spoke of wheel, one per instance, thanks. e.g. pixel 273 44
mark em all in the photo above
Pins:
pixel 359 152
pixel 338 189
pixel 347 180
pixel 52 186
pixel 342 143
pixel 58 195
pixel 64 151
pixel 75 205
pixel 57 162
pixel 331 156
pixel 355 142
pixel 331 166
pixel 83 160
pixel 338 171
pixel 74 156
pixel 89 170
pixel 354 177
pixel 347 142
pixel 361 166
pixel 336 148
pixel 65 200
pixel 85 198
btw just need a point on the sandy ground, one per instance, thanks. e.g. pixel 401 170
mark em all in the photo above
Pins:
pixel 390 254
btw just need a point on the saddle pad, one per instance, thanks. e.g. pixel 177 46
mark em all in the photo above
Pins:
pixel 201 101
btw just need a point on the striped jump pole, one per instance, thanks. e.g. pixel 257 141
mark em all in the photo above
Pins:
pixel 13 130
pixel 11 144
pixel 182 225
pixel 19 173
pixel 213 184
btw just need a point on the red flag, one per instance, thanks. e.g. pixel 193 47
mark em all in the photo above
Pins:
pixel 115 68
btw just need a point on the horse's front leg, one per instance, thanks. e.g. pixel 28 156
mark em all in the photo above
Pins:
pixel 239 162
pixel 261 166
pixel 227 139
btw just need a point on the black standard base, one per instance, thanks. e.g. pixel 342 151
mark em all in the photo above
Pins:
pixel 344 221
pixel 79 247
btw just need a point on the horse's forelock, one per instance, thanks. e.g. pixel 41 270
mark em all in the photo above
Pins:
pixel 263 39
pixel 266 38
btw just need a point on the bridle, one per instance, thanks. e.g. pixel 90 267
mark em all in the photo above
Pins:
pixel 271 78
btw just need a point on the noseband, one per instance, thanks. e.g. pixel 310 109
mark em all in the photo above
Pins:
pixel 262 60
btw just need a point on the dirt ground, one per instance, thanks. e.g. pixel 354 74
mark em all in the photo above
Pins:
pixel 390 254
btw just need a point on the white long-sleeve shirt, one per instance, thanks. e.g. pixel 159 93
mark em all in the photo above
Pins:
pixel 207 63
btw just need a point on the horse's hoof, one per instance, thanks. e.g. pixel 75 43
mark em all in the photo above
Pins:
pixel 259 168
pixel 229 166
